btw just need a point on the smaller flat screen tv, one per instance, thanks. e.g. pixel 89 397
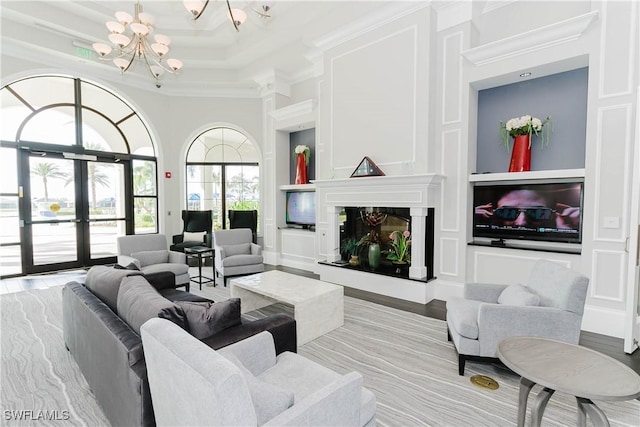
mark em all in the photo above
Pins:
pixel 548 212
pixel 301 208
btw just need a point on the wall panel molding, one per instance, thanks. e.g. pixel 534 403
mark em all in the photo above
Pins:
pixel 449 256
pixel 601 285
pixel 451 167
pixel 452 78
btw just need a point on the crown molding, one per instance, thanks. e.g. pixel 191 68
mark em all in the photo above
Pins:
pixel 294 111
pixel 453 13
pixel 540 38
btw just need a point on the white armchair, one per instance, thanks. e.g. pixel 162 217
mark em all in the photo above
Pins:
pixel 236 254
pixel 150 254
pixel 550 305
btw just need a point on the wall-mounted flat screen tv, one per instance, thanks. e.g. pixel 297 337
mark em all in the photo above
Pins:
pixel 550 212
pixel 301 208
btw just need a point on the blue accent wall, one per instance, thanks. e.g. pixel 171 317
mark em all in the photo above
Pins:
pixel 562 96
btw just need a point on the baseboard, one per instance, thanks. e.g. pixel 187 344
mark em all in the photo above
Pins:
pixel 603 321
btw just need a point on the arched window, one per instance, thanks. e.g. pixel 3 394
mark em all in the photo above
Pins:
pixel 222 174
pixel 86 158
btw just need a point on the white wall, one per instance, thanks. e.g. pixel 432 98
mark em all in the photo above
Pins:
pixel 404 94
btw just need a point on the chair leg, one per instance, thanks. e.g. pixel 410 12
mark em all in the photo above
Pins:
pixel 461 361
pixel 448 335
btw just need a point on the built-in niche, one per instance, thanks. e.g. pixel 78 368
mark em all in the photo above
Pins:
pixel 303 137
pixel 563 96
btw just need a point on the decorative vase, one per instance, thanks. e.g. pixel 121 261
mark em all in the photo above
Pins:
pixel 301 169
pixel 374 255
pixel 521 154
pixel 354 261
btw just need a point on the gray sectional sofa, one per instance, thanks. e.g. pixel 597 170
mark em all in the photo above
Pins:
pixel 101 328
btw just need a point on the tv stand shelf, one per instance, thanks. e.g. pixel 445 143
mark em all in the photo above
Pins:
pixel 298 187
pixel 528 247
pixel 526 176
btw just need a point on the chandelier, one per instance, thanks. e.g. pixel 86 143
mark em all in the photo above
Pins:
pixel 130 36
pixel 236 16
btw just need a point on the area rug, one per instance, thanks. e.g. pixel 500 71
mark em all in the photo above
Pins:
pixel 405 360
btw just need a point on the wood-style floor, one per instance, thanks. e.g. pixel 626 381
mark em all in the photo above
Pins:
pixel 436 309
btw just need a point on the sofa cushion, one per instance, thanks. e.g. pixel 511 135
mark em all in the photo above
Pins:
pixel 239 249
pixel 463 314
pixel 239 260
pixel 151 257
pixel 104 282
pixel 193 236
pixel 268 400
pixel 130 266
pixel 177 269
pixel 518 295
pixel 138 302
pixel 204 319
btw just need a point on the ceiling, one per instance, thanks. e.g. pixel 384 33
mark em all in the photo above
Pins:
pixel 218 61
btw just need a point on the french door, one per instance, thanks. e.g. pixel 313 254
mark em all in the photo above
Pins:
pixel 72 209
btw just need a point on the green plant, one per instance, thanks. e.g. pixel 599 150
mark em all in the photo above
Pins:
pixel 400 245
pixel 350 246
pixel 526 125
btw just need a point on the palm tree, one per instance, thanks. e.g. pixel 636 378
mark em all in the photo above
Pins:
pixel 47 171
pixel 96 177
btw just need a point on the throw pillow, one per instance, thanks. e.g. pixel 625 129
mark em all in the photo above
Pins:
pixel 206 319
pixel 518 295
pixel 138 302
pixel 104 282
pixel 151 257
pixel 240 249
pixel 196 236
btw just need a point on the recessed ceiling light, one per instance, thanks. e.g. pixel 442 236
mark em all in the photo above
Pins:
pixel 525 74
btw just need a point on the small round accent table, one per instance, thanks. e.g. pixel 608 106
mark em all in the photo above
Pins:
pixel 567 368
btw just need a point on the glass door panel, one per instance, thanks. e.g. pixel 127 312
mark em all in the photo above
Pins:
pixel 105 184
pixel 51 218
pixel 10 250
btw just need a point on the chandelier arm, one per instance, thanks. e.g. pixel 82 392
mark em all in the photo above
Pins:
pixel 261 14
pixel 206 3
pixel 233 20
pixel 133 57
pixel 146 61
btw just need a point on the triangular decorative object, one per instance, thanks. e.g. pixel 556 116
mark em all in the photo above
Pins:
pixel 367 168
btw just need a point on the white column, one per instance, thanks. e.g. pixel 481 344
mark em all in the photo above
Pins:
pixel 333 233
pixel 418 229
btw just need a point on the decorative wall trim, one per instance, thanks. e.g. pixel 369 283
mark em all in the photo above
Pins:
pixel 597 281
pixel 452 71
pixel 454 174
pixel 531 41
pixel 600 145
pixel 452 13
pixel 295 110
pixel 446 255
pixel 510 257
pixel 492 5
pixel 614 49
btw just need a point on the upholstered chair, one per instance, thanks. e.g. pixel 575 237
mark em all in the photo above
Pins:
pixel 197 227
pixel 549 305
pixel 245 219
pixel 246 384
pixel 236 254
pixel 149 254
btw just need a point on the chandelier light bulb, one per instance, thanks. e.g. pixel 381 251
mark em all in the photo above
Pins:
pixel 238 16
pixel 156 71
pixel 146 19
pixel 194 7
pixel 124 18
pixel 139 29
pixel 175 64
pixel 121 63
pixel 102 49
pixel 119 40
pixel 115 27
pixel 160 49
pixel 162 39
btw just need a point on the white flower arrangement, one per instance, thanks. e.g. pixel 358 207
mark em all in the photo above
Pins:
pixel 302 149
pixel 526 125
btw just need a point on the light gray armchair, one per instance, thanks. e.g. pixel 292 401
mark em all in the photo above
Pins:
pixel 150 254
pixel 550 305
pixel 236 254
pixel 246 384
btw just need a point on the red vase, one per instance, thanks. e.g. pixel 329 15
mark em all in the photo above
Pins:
pixel 521 154
pixel 301 170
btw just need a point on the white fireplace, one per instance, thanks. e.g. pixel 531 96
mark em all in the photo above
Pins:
pixel 416 192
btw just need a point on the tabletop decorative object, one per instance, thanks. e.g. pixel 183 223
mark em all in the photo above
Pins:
pixel 302 153
pixel 521 130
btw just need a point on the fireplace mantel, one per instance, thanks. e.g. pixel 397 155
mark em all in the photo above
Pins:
pixel 391 191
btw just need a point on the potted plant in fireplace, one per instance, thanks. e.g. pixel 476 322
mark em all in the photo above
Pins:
pixel 370 247
pixel 400 252
pixel 349 251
